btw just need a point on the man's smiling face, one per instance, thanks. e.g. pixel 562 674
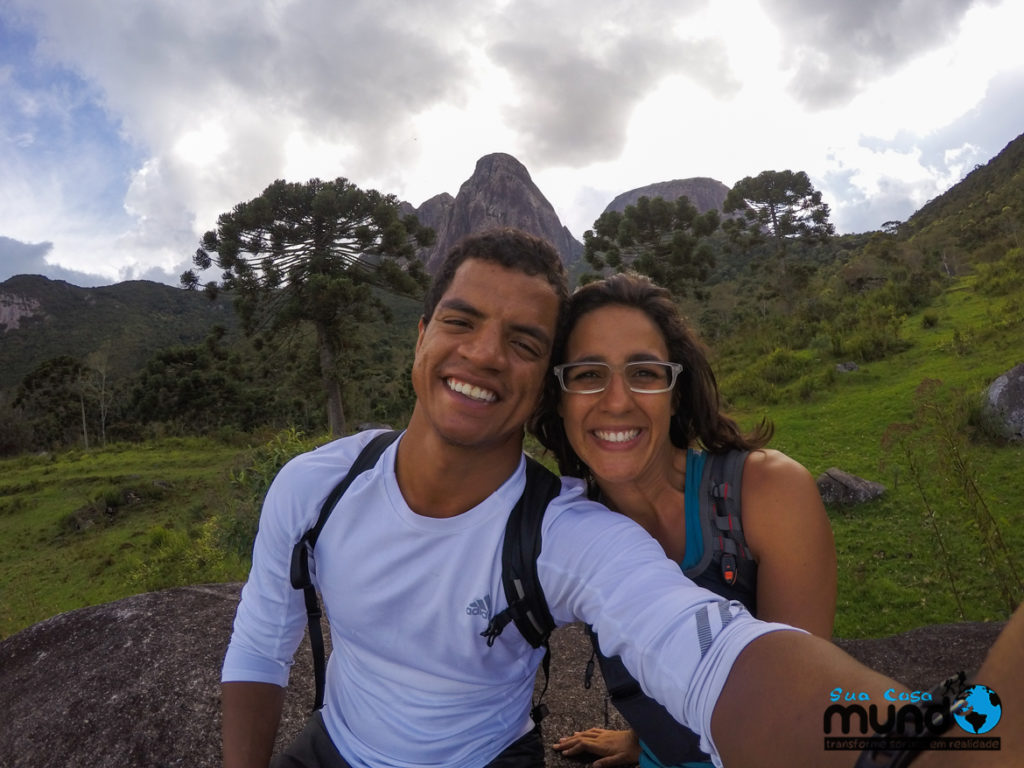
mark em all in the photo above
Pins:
pixel 482 357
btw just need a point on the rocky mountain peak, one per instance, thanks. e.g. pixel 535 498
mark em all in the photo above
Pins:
pixel 706 194
pixel 499 193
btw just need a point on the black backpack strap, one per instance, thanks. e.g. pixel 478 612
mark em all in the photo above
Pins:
pixel 300 577
pixel 527 608
pixel 726 480
pixel 721 523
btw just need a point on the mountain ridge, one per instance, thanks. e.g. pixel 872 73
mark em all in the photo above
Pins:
pixel 41 318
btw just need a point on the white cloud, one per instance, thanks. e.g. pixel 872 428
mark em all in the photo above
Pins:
pixel 133 125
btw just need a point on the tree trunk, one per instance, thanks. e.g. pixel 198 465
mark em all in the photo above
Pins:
pixel 85 429
pixel 332 387
pixel 103 406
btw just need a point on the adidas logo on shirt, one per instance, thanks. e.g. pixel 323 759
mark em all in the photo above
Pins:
pixel 480 607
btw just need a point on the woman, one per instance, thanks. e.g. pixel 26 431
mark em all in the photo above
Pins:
pixel 634 409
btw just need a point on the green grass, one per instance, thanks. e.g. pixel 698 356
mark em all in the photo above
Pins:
pixel 78 528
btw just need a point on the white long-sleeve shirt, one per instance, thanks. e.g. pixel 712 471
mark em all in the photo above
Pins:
pixel 410 681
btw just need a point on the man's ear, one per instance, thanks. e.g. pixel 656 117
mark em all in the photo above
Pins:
pixel 419 329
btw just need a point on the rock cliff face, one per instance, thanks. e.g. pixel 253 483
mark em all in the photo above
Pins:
pixel 706 194
pixel 135 682
pixel 14 308
pixel 499 193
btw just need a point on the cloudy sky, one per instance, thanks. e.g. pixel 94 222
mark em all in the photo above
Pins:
pixel 127 126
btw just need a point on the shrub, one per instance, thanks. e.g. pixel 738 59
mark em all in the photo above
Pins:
pixel 174 558
pixel 260 467
pixel 265 461
pixel 780 367
pixel 1002 277
pixel 963 343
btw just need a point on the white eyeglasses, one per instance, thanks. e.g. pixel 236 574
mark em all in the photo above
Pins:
pixel 646 377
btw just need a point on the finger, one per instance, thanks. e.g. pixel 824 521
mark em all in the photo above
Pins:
pixel 574 749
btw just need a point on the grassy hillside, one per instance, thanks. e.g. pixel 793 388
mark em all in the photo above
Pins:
pixel 84 528
pixel 892 571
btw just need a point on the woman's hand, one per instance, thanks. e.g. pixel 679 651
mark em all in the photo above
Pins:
pixel 615 747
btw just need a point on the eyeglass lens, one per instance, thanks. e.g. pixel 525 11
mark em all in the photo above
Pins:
pixel 639 376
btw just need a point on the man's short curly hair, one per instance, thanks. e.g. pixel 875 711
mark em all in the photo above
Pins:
pixel 511 248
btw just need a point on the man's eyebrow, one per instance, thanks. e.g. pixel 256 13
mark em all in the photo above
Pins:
pixel 459 305
pixel 534 331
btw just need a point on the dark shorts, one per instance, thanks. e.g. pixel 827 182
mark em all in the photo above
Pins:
pixel 313 748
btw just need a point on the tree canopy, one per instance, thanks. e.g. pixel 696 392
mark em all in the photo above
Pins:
pixel 661 239
pixel 309 254
pixel 780 204
pixel 52 400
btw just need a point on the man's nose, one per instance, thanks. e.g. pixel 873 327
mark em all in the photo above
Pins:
pixel 485 347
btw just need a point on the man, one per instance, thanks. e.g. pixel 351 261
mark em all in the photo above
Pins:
pixel 417 539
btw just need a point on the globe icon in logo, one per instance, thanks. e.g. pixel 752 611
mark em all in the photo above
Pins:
pixel 981 711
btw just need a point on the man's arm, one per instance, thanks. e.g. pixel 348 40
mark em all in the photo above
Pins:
pixel 251 714
pixel 770 711
pixel 1002 671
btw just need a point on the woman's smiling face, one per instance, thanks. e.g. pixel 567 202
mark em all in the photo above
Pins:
pixel 623 436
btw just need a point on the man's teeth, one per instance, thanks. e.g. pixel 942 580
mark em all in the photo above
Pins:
pixel 622 436
pixel 474 393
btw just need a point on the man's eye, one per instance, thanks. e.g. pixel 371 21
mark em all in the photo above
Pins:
pixel 528 348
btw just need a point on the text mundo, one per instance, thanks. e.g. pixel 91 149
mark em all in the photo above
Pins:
pixel 838 694
pixel 912 719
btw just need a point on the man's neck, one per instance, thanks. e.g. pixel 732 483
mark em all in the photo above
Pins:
pixel 441 479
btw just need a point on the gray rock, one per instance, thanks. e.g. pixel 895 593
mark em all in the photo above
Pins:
pixel 705 194
pixel 839 487
pixel 136 682
pixel 1004 402
pixel 847 367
